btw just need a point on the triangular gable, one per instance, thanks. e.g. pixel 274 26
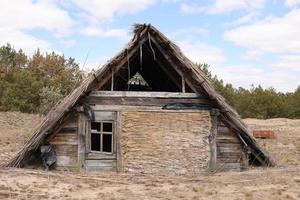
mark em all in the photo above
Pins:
pixel 147 61
pixel 169 55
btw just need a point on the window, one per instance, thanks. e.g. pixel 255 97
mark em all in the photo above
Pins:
pixel 102 137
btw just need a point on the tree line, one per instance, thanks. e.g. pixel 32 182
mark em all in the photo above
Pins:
pixel 257 102
pixel 35 84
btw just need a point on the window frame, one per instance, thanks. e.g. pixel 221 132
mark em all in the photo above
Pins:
pixel 101 132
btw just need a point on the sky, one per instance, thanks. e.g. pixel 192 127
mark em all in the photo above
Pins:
pixel 246 42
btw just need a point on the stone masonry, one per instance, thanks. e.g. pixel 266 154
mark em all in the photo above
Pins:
pixel 165 141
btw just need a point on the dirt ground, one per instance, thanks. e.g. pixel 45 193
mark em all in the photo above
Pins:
pixel 281 182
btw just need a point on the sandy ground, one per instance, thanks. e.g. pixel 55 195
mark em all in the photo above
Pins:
pixel 15 129
pixel 282 182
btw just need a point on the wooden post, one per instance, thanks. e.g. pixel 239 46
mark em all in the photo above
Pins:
pixel 212 139
pixel 244 159
pixel 118 142
pixel 183 84
pixel 81 139
pixel 112 80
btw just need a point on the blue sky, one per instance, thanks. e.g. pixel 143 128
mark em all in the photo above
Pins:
pixel 245 41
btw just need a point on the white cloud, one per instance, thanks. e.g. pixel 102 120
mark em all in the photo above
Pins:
pixel 248 18
pixel 202 53
pixel 96 14
pixel 21 40
pixel 271 35
pixel 277 37
pixel 247 75
pixel 190 31
pixel 252 55
pixel 223 6
pixel 107 9
pixel 26 15
pixel 190 8
pixel 291 3
pixel 289 62
pixel 97 31
pixel 19 17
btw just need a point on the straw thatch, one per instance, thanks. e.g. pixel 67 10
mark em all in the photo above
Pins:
pixel 142 33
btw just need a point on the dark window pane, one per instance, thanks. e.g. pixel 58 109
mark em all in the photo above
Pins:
pixel 95 142
pixel 96 126
pixel 107 127
pixel 107 146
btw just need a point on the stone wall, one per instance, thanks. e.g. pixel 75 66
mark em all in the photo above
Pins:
pixel 164 141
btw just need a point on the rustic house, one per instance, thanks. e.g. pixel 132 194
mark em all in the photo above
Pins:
pixel 149 109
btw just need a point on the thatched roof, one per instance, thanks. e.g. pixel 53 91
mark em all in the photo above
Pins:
pixel 172 53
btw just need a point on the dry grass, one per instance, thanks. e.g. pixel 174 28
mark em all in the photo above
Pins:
pixel 282 182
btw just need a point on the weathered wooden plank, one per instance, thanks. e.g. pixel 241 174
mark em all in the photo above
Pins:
pixel 228 136
pixel 70 125
pixel 65 149
pixel 118 142
pixel 144 94
pixel 100 156
pixel 183 84
pixel 212 139
pixel 109 165
pixel 72 119
pixel 227 150
pixel 228 140
pixel 88 137
pixel 141 101
pixel 65 139
pixel 81 138
pixel 137 108
pixel 230 145
pixel 100 168
pixel 101 163
pixel 112 80
pixel 68 130
pixel 65 161
pixel 123 108
pixel 244 160
pixel 223 129
pixel 105 116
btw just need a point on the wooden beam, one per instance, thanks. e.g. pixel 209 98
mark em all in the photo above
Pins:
pixel 118 142
pixel 143 94
pixel 141 101
pixel 81 139
pixel 112 80
pixel 139 108
pixel 212 140
pixel 183 84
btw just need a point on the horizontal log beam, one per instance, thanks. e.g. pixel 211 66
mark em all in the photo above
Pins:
pixel 141 101
pixel 143 94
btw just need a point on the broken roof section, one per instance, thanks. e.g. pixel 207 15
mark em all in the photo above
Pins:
pixel 162 49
